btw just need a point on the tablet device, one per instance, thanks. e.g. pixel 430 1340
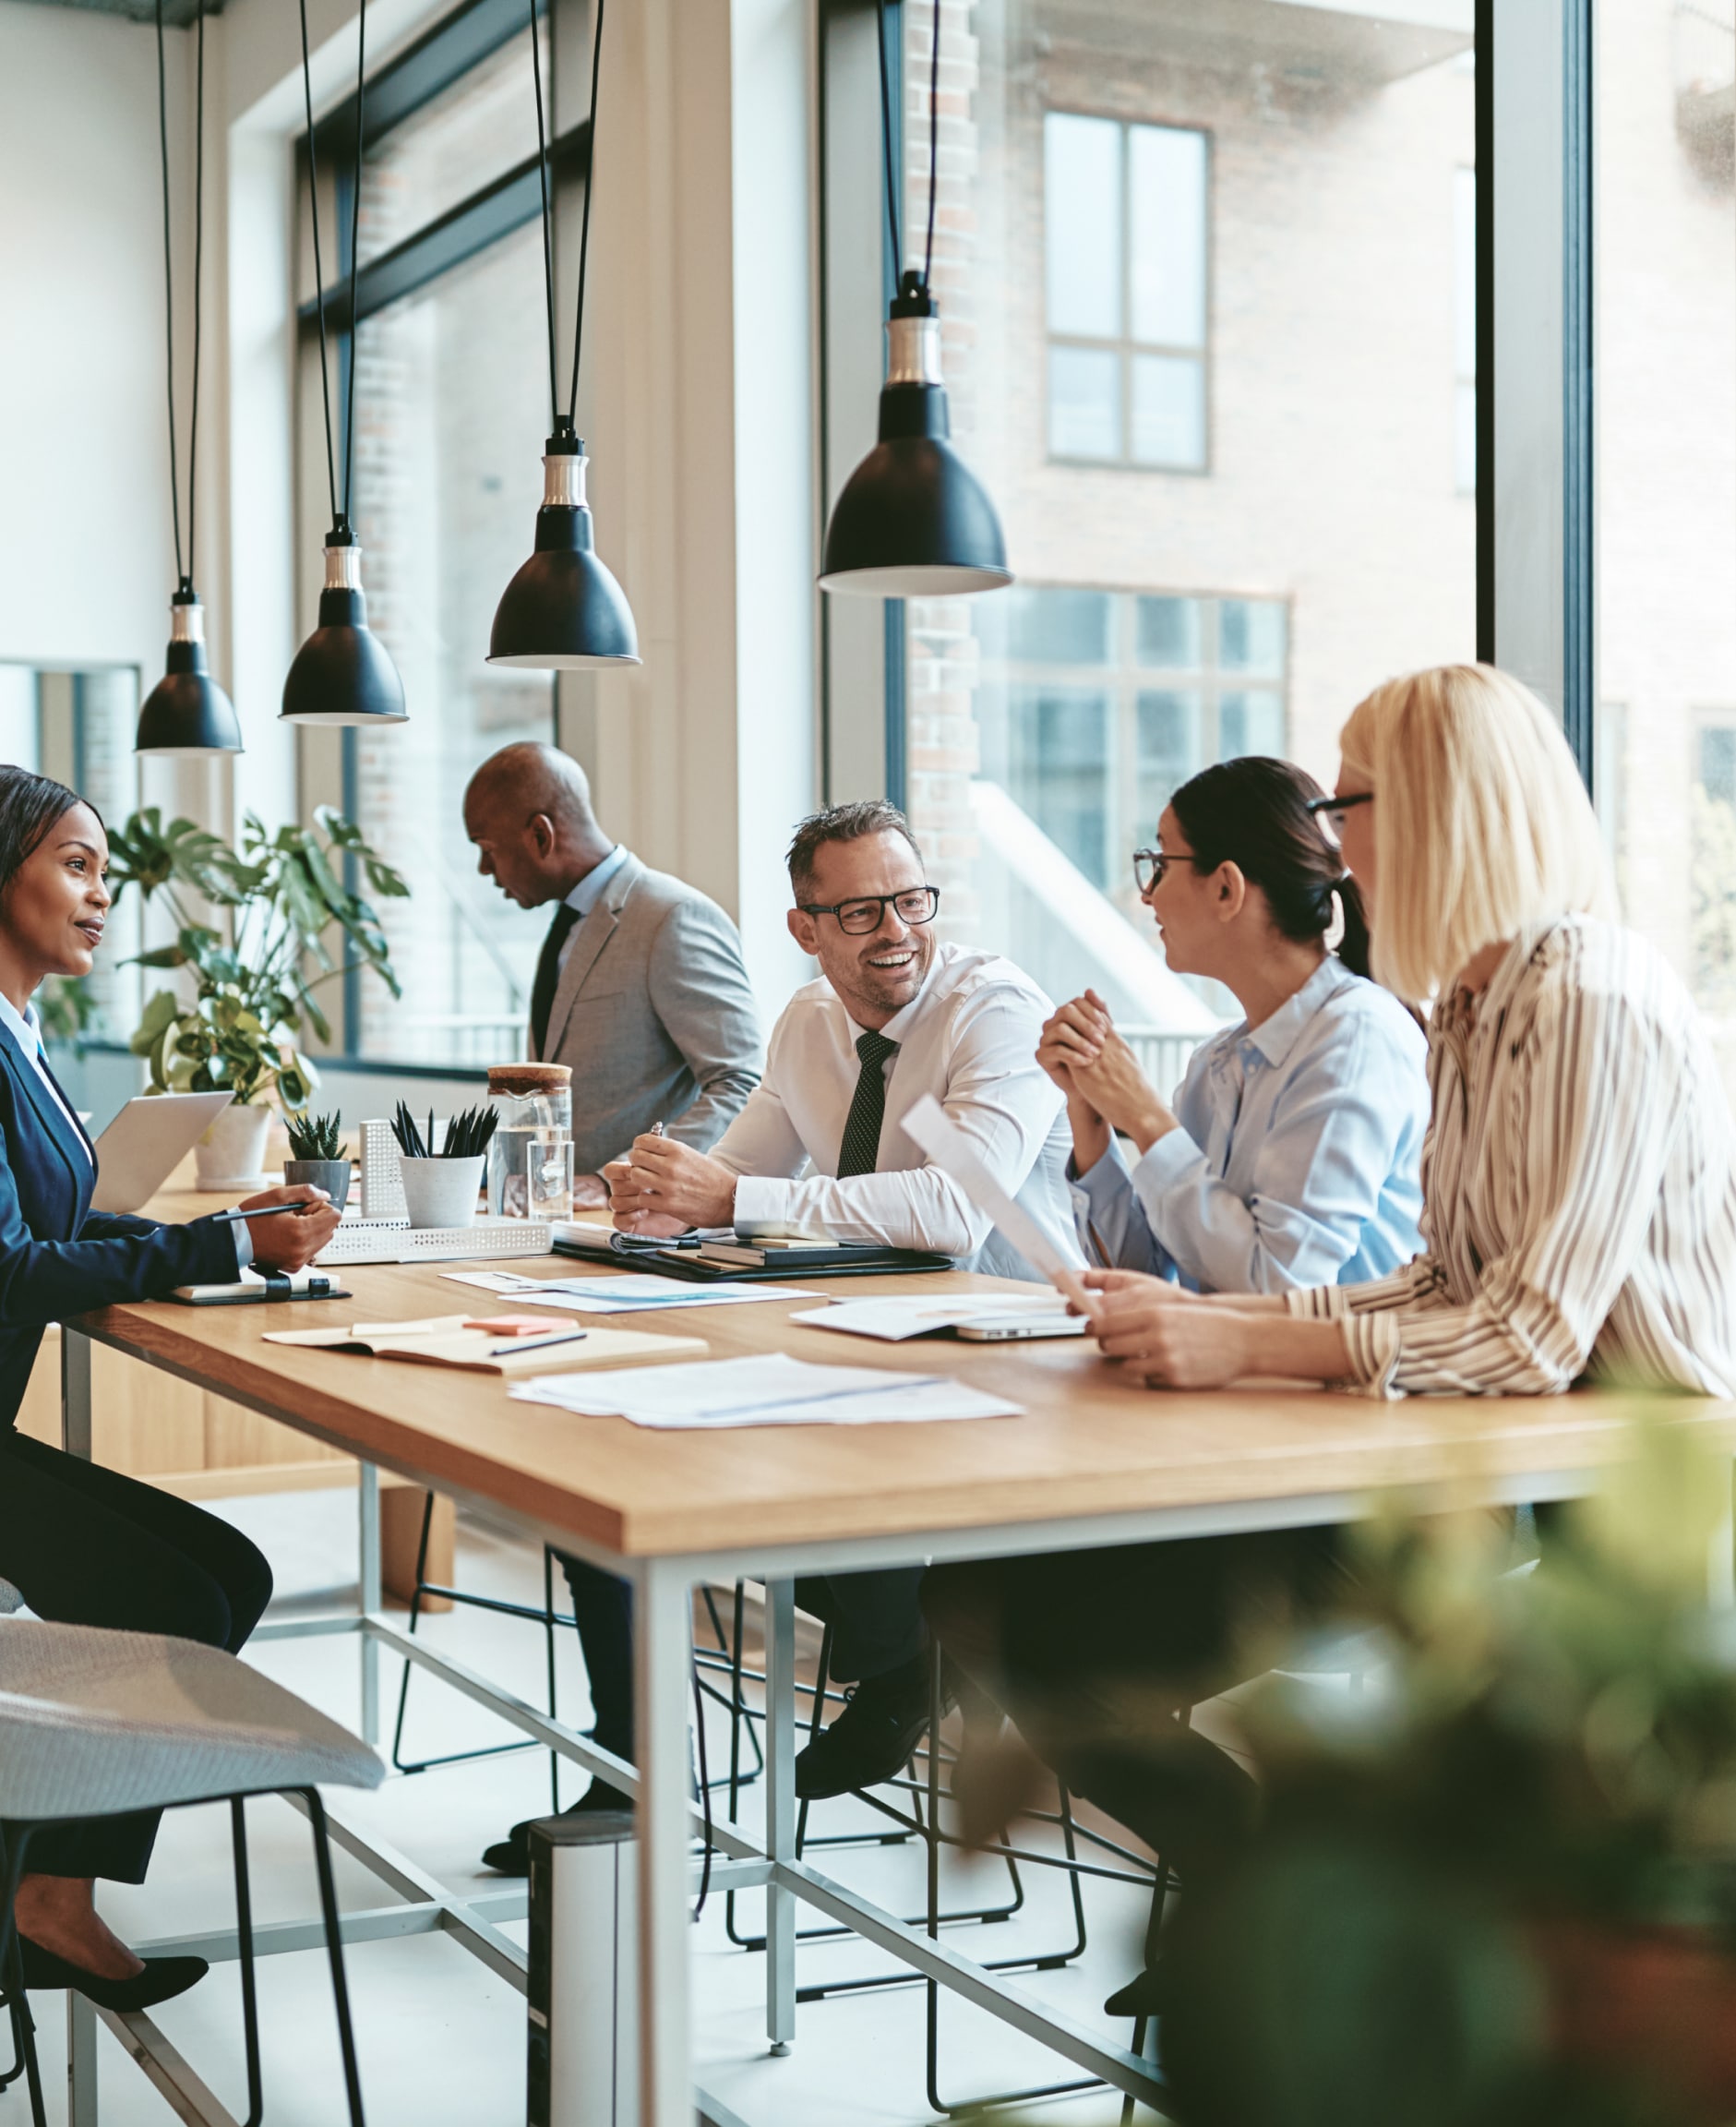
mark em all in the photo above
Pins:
pixel 145 1144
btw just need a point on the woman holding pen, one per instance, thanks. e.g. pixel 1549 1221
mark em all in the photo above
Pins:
pixel 83 1544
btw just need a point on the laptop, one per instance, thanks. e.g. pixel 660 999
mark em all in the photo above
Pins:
pixel 145 1144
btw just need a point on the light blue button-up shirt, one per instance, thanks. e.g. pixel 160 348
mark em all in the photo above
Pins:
pixel 1296 1158
pixel 588 891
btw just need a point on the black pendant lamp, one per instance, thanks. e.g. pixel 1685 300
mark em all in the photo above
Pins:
pixel 186 711
pixel 914 521
pixel 564 611
pixel 342 674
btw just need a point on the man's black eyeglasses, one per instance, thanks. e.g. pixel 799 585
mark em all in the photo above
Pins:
pixel 915 904
pixel 1333 810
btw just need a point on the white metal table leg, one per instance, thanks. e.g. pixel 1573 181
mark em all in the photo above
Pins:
pixel 75 1393
pixel 82 2059
pixel 780 1810
pixel 663 1632
pixel 370 1576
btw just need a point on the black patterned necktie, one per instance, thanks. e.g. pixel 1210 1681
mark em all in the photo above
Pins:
pixel 548 975
pixel 860 1151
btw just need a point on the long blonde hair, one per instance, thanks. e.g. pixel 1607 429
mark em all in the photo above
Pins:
pixel 1481 823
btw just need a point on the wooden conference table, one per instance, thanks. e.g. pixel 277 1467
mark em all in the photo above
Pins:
pixel 1094 1460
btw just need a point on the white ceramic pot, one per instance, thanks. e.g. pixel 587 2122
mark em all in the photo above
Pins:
pixel 231 1155
pixel 441 1192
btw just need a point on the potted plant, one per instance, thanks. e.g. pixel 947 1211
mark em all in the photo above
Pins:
pixel 1498 1889
pixel 442 1173
pixel 253 982
pixel 316 1156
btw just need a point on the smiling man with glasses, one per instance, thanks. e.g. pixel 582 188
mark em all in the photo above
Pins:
pixel 897 1012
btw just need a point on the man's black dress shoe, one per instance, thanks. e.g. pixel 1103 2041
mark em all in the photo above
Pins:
pixel 871 1739
pixel 511 1855
pixel 162 1980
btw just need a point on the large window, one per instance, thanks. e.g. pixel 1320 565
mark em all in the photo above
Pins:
pixel 451 407
pixel 1266 213
pixel 1125 247
pixel 1666 288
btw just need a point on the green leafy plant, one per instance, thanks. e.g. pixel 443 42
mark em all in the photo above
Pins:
pixel 254 986
pixel 315 1137
pixel 66 1010
pixel 466 1135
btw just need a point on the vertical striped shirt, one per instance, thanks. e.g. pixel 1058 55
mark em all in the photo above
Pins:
pixel 1579 1202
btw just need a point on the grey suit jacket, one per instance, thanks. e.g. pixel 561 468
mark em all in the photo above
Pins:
pixel 655 1012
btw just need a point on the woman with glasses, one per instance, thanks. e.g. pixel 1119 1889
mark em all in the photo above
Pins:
pixel 1289 1156
pixel 1580 1218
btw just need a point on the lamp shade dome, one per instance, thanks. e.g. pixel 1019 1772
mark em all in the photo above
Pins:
pixel 186 712
pixel 913 520
pixel 343 673
pixel 564 611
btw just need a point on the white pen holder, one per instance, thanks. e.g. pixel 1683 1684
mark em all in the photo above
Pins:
pixel 441 1192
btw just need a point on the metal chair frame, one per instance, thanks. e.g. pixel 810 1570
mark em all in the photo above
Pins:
pixel 15 1840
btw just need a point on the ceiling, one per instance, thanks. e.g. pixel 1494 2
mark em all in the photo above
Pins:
pixel 176 14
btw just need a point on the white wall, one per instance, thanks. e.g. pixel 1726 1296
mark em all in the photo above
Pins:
pixel 87 561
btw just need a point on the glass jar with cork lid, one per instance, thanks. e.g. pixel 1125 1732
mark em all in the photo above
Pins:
pixel 533 1102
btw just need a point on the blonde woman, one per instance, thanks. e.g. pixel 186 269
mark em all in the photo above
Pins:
pixel 1579 1217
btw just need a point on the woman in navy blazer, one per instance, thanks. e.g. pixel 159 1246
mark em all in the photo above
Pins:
pixel 88 1546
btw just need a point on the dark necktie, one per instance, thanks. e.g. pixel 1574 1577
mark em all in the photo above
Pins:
pixel 549 976
pixel 860 1151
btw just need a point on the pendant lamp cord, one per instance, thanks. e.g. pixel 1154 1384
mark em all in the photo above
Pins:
pixel 934 145
pixel 320 274
pixel 184 575
pixel 355 259
pixel 584 236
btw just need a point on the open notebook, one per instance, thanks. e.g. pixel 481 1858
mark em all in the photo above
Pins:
pixel 480 1347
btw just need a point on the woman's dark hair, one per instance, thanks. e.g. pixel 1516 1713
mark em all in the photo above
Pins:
pixel 30 805
pixel 1252 812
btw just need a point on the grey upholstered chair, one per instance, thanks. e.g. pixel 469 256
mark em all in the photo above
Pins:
pixel 95 1723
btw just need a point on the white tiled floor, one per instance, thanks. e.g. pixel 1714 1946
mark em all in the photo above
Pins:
pixel 442 2040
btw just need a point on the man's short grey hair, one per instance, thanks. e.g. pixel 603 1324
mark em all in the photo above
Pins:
pixel 841 823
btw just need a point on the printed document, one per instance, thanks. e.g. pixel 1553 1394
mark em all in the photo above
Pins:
pixel 631 1294
pixel 773 1390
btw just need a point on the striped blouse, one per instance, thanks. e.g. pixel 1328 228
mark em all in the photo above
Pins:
pixel 1579 1198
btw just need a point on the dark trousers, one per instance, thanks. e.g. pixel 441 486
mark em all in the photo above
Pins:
pixel 86 1545
pixel 1097 1656
pixel 876 1620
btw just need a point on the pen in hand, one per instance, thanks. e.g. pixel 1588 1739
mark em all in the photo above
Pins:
pixel 269 1211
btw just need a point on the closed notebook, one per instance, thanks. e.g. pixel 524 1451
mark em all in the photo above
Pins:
pixel 457 1341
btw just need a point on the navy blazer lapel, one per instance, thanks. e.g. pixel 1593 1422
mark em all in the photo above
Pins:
pixel 80 1169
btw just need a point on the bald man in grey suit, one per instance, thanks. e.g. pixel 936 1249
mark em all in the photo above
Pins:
pixel 640 985
pixel 640 988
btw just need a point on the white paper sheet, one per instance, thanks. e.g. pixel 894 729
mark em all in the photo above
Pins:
pixel 772 1390
pixel 630 1295
pixel 892 1318
pixel 954 1155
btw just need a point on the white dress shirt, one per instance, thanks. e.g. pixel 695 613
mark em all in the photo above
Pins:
pixel 1579 1188
pixel 26 1030
pixel 969 1037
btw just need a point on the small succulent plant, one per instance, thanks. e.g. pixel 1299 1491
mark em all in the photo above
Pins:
pixel 315 1137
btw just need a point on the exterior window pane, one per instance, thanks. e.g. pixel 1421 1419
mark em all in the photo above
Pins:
pixel 1251 636
pixel 1168 737
pixel 1167 252
pixel 1249 722
pixel 474 131
pixel 1271 521
pixel 1083 224
pixel 1059 627
pixel 1465 331
pixel 1170 410
pixel 1085 402
pixel 1167 632
pixel 1665 281
pixel 452 396
pixel 1060 770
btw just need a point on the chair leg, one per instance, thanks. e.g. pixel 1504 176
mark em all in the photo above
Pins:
pixel 334 1950
pixel 814 1722
pixel 243 1932
pixel 415 1616
pixel 14 1840
pixel 548 1637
